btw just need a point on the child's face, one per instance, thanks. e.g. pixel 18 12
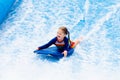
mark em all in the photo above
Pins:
pixel 60 34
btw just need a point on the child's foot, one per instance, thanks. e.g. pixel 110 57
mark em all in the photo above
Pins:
pixel 76 42
pixel 81 38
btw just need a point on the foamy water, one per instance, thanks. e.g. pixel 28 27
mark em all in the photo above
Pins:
pixel 34 22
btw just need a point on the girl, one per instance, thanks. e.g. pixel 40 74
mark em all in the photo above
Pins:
pixel 62 43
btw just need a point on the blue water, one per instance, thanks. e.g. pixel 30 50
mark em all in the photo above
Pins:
pixel 34 22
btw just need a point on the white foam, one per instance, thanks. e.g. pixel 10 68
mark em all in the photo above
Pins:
pixel 30 28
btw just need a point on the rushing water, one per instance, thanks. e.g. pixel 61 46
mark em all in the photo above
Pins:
pixel 34 22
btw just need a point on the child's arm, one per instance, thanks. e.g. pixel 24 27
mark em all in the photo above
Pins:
pixel 48 44
pixel 66 47
pixel 65 53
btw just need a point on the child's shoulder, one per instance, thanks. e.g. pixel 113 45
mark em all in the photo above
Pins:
pixel 66 39
pixel 55 38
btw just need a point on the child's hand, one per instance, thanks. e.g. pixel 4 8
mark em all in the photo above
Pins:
pixel 38 48
pixel 65 53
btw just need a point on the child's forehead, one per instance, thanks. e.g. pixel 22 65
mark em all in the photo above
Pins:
pixel 60 31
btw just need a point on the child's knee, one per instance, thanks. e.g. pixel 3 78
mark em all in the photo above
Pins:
pixel 72 45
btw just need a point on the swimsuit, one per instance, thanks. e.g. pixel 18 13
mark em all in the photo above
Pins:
pixel 64 45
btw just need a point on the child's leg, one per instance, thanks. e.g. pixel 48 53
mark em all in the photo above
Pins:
pixel 76 42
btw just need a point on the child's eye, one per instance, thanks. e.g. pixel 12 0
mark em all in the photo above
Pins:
pixel 58 33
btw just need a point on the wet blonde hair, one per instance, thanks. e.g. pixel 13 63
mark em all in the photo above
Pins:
pixel 64 29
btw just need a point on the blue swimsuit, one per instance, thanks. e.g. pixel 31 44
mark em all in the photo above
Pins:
pixel 64 45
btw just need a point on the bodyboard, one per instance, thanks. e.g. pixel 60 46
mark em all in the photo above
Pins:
pixel 54 52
